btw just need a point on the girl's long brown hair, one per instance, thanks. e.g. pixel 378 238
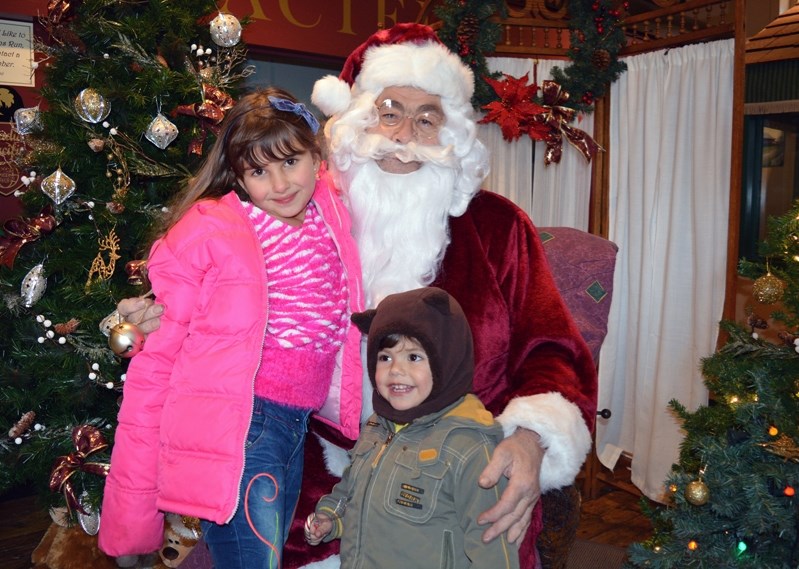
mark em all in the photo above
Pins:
pixel 253 131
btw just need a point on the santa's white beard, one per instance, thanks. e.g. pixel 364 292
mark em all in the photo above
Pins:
pixel 401 225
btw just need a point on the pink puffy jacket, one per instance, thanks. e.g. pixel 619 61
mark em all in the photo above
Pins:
pixel 188 395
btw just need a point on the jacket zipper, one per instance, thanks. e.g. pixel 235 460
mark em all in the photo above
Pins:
pixel 364 503
pixel 382 450
pixel 254 375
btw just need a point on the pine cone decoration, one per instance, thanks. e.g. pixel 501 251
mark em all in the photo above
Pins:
pixel 67 327
pixel 601 59
pixel 468 29
pixel 23 425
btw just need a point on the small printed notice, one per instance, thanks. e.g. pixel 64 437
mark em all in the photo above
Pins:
pixel 16 53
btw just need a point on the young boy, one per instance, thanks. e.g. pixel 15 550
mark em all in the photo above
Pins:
pixel 410 496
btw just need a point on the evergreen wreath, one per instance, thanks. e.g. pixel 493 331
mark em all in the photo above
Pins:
pixel 467 30
pixel 596 38
pixel 595 41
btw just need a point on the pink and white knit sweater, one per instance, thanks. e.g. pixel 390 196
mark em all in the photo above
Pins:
pixel 308 313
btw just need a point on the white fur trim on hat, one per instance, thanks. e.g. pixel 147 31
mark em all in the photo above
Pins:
pixel 331 95
pixel 429 66
pixel 562 430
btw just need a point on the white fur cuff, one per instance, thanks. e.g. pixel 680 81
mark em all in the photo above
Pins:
pixel 563 432
pixel 336 458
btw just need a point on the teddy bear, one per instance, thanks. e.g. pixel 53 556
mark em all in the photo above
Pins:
pixel 69 546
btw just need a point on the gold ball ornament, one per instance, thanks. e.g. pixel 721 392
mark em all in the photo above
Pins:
pixel 768 289
pixel 126 340
pixel 697 493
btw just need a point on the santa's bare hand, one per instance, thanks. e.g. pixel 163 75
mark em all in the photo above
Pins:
pixel 143 312
pixel 518 457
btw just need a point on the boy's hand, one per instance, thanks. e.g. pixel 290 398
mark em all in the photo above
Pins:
pixel 317 526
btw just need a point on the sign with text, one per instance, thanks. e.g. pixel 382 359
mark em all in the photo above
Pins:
pixel 16 53
pixel 331 28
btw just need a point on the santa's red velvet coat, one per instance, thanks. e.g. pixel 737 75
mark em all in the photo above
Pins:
pixel 526 346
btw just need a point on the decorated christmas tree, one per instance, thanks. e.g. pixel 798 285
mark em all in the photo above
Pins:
pixel 732 494
pixel 132 96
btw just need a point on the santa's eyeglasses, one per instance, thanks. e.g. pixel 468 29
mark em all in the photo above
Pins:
pixel 427 120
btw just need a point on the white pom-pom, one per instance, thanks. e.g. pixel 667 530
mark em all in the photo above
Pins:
pixel 95 366
pixel 40 339
pixel 62 340
pixel 755 336
pixel 18 440
pixel 331 95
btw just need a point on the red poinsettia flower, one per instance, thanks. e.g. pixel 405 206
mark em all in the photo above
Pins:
pixel 515 108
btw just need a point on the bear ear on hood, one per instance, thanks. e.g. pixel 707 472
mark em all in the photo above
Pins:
pixel 363 320
pixel 439 300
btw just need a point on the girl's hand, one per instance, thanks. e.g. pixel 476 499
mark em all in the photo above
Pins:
pixel 317 526
pixel 143 312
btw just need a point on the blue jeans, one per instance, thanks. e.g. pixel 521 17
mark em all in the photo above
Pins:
pixel 270 488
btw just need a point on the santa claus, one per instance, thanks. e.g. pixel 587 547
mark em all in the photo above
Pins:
pixel 403 149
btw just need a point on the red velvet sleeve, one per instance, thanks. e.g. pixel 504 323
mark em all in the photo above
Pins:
pixel 526 342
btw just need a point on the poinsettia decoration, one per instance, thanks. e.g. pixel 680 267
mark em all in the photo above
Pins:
pixel 515 108
pixel 519 111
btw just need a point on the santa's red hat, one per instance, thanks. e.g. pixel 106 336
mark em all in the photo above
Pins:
pixel 405 55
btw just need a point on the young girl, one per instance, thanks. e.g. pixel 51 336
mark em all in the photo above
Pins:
pixel 258 276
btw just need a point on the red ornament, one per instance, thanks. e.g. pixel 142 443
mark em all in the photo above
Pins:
pixel 789 491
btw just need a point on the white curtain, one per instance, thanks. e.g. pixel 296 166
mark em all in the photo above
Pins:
pixel 670 131
pixel 554 195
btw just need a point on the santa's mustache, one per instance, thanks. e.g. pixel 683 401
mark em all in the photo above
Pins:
pixel 377 146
